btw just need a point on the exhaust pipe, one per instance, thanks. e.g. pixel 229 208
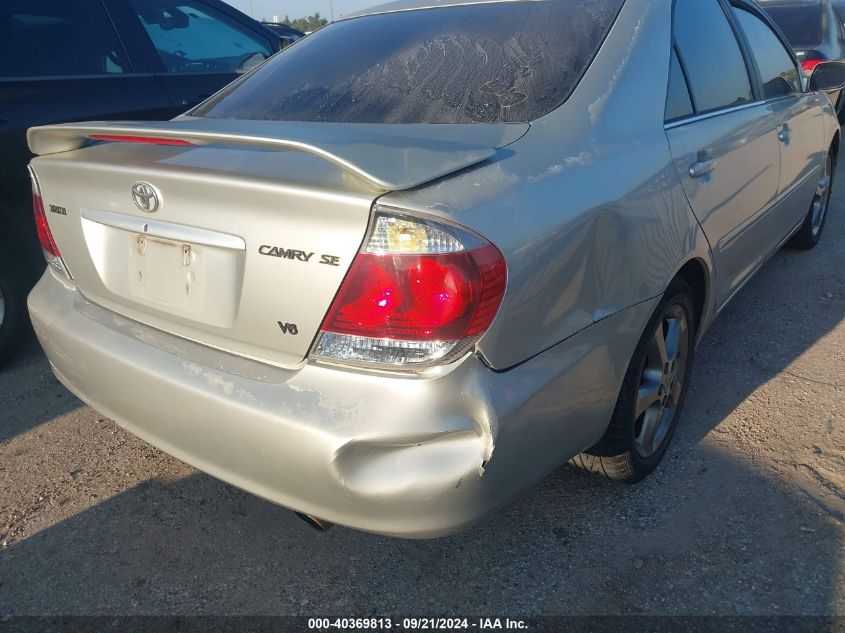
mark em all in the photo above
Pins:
pixel 318 524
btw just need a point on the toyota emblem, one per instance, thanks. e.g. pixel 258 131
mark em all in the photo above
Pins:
pixel 146 197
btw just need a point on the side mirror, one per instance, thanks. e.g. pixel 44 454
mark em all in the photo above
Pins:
pixel 828 76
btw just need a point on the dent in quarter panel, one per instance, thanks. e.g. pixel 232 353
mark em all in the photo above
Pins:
pixel 562 398
pixel 586 208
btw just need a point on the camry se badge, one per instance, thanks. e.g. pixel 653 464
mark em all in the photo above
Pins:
pixel 146 197
pixel 302 256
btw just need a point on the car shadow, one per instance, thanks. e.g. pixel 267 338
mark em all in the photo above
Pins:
pixel 735 521
pixel 29 393
pixel 712 536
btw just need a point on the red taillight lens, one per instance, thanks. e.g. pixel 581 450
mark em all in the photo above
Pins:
pixel 150 140
pixel 447 296
pixel 809 65
pixel 44 234
pixel 419 293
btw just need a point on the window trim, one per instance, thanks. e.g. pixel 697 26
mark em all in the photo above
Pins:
pixel 752 81
pixel 670 125
pixel 750 66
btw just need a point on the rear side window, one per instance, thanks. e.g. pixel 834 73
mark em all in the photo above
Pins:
pixel 711 55
pixel 56 38
pixel 192 38
pixel 802 25
pixel 678 102
pixel 482 63
pixel 778 72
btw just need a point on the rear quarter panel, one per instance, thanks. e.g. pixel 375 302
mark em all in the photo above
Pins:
pixel 586 208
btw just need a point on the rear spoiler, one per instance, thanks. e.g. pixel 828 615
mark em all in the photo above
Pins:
pixel 391 157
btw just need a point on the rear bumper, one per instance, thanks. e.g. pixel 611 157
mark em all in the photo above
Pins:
pixel 397 456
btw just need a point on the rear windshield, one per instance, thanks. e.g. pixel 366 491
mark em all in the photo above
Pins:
pixel 482 63
pixel 802 25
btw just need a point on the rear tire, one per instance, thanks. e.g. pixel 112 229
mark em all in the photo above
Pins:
pixel 652 395
pixel 811 231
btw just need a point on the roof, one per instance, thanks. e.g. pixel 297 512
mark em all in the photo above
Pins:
pixel 414 5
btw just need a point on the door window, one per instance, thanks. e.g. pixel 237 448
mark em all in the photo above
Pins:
pixel 778 72
pixel 56 38
pixel 711 55
pixel 678 102
pixel 192 38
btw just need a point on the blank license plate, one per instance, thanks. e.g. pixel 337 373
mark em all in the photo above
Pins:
pixel 165 271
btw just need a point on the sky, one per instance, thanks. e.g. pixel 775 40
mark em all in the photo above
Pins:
pixel 299 8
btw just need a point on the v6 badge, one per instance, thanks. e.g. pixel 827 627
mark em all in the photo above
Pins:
pixel 288 328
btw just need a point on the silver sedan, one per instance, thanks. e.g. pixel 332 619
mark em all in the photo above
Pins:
pixel 410 265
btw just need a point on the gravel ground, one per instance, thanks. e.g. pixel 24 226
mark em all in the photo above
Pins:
pixel 746 516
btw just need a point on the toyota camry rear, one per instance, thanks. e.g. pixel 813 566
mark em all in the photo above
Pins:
pixel 406 268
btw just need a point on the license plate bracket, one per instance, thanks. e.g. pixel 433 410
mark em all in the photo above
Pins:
pixel 163 270
pixel 171 269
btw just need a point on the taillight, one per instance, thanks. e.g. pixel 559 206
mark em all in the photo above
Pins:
pixel 45 236
pixel 419 293
pixel 809 65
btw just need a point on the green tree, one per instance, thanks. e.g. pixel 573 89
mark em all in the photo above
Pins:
pixel 311 23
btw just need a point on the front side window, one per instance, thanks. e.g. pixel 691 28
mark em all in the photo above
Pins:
pixel 482 63
pixel 191 38
pixel 56 38
pixel 711 55
pixel 778 72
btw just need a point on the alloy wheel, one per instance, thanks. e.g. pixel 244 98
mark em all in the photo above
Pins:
pixel 662 382
pixel 821 200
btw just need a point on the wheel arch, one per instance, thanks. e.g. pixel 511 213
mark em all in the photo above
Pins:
pixel 696 274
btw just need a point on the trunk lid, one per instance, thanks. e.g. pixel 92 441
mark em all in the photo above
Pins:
pixel 253 230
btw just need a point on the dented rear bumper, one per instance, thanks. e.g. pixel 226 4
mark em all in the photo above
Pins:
pixel 397 456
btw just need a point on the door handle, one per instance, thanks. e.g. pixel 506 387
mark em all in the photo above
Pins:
pixel 783 135
pixel 4 119
pixel 702 167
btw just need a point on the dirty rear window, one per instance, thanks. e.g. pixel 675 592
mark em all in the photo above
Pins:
pixel 482 63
